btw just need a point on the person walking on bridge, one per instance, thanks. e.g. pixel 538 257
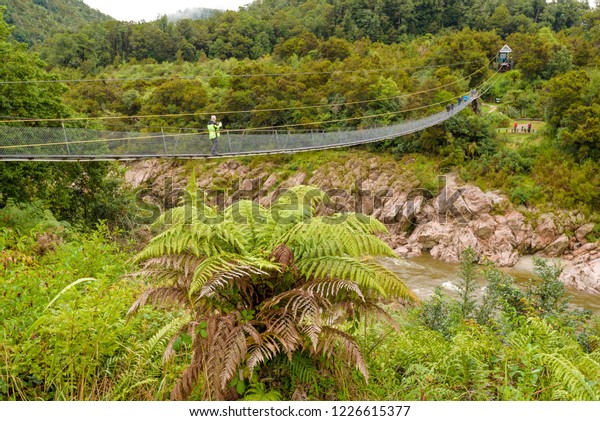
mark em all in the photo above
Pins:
pixel 214 132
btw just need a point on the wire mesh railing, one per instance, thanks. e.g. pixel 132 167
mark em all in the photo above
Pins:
pixel 78 144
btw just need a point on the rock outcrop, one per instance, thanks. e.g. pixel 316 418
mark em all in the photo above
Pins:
pixel 443 223
pixel 583 271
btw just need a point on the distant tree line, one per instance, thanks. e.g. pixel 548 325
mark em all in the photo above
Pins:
pixel 294 26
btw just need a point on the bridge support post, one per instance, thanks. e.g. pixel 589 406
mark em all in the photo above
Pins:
pixel 164 140
pixel 177 142
pixel 66 138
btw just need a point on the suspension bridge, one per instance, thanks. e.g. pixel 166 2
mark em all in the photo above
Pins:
pixel 22 143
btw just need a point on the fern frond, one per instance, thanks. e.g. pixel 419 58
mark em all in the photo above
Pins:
pixel 200 240
pixel 331 288
pixel 336 342
pixel 159 297
pixel 370 276
pixel 570 377
pixel 312 332
pixel 216 271
pixel 235 352
pixel 186 383
pixel 322 237
pixel 376 312
pixel 301 304
pixel 250 218
pixel 298 203
pixel 303 369
pixel 285 327
pixel 260 352
pixel 176 270
pixel 258 392
pixel 161 338
pixel 182 263
pixel 359 223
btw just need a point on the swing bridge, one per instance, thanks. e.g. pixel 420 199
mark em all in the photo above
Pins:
pixel 21 143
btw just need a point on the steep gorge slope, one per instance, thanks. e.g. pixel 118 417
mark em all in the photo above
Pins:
pixel 36 20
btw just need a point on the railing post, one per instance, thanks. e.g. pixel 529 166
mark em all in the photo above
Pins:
pixel 229 141
pixel 277 139
pixel 164 140
pixel 66 138
pixel 176 143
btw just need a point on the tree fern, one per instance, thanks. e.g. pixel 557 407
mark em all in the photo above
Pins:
pixel 259 283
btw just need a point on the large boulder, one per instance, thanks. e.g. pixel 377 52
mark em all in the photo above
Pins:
pixel 461 203
pixel 429 235
pixel 583 272
pixel 484 226
pixel 521 230
pixel 557 247
pixel 583 231
pixel 450 247
pixel 545 233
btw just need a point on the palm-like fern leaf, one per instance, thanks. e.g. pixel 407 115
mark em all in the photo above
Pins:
pixel 301 304
pixel 298 202
pixel 200 240
pixel 331 288
pixel 334 341
pixel 249 218
pixel 159 296
pixel 369 275
pixel 216 271
pixel 570 377
pixel 321 237
pixel 260 352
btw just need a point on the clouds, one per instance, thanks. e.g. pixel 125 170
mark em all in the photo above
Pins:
pixel 148 10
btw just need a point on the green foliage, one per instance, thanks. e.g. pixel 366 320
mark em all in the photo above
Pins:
pixel 562 93
pixel 55 338
pixel 580 131
pixel 35 21
pixel 523 345
pixel 74 192
pixel 29 218
pixel 436 312
pixel 525 191
pixel 467 283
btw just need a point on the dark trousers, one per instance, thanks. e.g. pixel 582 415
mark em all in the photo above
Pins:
pixel 215 146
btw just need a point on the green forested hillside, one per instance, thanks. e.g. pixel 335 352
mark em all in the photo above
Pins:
pixel 36 20
pixel 293 27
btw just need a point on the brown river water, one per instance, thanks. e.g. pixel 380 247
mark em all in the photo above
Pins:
pixel 422 274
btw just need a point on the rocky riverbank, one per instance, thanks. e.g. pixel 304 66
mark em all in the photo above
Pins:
pixel 442 221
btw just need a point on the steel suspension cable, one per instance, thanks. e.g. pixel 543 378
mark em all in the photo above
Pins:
pixel 176 115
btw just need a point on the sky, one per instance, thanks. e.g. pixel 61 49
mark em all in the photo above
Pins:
pixel 149 10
